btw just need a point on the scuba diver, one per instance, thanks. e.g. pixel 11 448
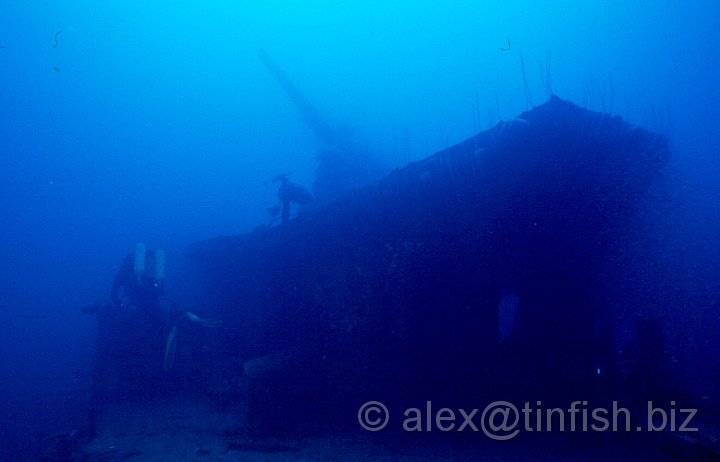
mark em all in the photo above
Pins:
pixel 290 193
pixel 136 338
pixel 140 284
pixel 134 332
pixel 140 280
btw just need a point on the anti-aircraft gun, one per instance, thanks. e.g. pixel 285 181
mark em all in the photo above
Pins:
pixel 343 164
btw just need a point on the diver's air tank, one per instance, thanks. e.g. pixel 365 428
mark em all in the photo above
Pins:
pixel 139 267
pixel 159 265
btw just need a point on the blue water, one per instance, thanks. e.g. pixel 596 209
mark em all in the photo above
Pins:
pixel 156 122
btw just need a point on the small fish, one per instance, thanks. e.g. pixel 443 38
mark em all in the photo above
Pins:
pixel 56 69
pixel 508 47
pixel 56 38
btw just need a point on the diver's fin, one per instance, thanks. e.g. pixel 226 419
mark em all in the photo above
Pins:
pixel 207 322
pixel 170 347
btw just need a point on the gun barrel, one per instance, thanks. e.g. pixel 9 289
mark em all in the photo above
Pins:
pixel 310 114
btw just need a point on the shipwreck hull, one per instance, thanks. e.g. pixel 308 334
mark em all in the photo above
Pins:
pixel 394 292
